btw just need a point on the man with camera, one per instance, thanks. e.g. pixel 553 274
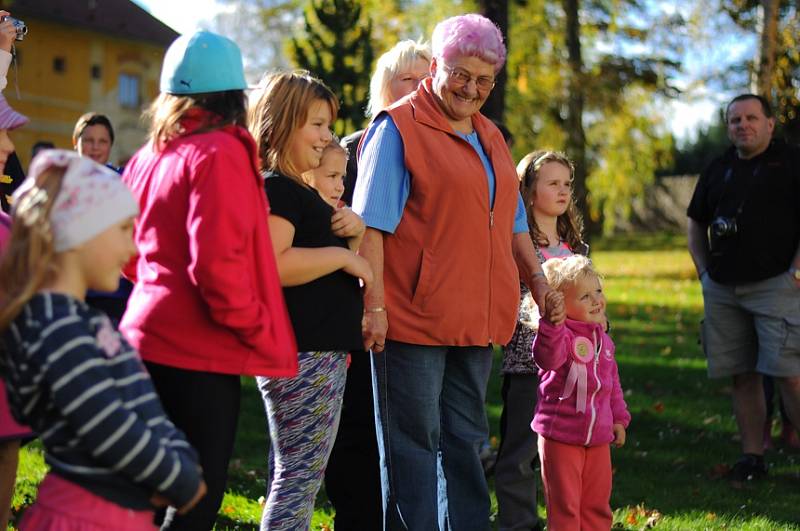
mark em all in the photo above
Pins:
pixel 744 232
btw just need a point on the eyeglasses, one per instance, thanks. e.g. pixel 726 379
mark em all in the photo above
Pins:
pixel 462 77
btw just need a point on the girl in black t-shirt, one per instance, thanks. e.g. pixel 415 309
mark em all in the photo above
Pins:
pixel 290 119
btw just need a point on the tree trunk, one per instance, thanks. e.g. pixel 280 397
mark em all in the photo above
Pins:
pixel 576 138
pixel 769 46
pixel 497 12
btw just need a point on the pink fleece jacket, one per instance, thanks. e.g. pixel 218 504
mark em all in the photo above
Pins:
pixel 579 397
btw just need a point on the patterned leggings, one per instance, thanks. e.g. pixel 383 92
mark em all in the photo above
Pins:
pixel 303 414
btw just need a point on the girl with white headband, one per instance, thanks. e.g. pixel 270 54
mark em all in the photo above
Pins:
pixel 113 454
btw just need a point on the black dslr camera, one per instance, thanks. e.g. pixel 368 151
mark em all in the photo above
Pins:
pixel 19 25
pixel 721 230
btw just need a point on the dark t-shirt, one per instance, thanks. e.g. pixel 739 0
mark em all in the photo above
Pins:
pixel 12 177
pixel 763 195
pixel 350 143
pixel 326 312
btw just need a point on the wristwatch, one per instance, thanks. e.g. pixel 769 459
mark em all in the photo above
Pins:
pixel 795 272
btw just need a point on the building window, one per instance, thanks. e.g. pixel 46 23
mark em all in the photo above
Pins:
pixel 97 72
pixel 59 64
pixel 128 90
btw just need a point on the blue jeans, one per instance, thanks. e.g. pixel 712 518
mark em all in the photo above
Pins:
pixel 431 400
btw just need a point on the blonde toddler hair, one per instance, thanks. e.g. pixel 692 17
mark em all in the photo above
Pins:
pixel 561 272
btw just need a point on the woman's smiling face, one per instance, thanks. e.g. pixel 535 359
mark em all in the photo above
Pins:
pixel 459 100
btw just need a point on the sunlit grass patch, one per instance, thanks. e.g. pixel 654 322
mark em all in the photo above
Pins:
pixel 680 443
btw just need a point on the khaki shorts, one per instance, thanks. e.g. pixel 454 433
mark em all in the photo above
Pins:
pixel 752 327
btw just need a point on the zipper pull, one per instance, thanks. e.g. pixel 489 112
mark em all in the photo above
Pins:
pixel 491 218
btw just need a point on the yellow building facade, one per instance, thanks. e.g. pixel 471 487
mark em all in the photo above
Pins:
pixel 67 67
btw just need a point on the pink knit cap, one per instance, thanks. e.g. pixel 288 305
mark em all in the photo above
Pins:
pixel 9 118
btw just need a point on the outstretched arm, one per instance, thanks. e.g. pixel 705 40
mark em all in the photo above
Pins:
pixel 530 270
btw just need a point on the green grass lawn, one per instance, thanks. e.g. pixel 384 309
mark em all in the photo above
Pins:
pixel 681 439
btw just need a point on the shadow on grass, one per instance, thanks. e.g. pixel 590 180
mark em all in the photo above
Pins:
pixel 226 523
pixel 683 436
pixel 635 241
pixel 681 439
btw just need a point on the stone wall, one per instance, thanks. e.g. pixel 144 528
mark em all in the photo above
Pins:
pixel 663 207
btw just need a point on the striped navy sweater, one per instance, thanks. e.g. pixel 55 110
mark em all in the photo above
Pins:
pixel 74 380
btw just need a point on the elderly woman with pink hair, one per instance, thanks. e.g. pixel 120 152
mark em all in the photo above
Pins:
pixel 448 241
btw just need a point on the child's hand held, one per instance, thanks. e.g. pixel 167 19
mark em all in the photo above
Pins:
pixel 555 311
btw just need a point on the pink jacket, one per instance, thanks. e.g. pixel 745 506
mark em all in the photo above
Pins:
pixel 579 397
pixel 207 294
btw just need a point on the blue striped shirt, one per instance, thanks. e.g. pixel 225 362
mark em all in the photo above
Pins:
pixel 78 384
pixel 384 183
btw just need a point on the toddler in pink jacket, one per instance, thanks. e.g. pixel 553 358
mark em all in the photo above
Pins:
pixel 580 409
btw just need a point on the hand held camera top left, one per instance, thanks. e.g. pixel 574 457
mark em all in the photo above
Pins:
pixel 19 25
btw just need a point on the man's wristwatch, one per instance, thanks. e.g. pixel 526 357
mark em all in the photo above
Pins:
pixel 795 272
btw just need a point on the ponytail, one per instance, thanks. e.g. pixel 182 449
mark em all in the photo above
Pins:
pixel 27 262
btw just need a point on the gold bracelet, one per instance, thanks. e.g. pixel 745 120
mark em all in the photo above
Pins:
pixel 375 310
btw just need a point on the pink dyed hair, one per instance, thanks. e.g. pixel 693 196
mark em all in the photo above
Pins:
pixel 470 35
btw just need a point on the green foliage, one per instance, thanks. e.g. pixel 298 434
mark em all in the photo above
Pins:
pixel 680 441
pixel 336 46
pixel 630 146
pixel 786 75
pixel 626 134
pixel 696 155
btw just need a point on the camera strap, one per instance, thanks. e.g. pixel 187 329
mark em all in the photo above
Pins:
pixel 16 70
pixel 727 179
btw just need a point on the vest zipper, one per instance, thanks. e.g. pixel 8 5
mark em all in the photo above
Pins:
pixel 491 267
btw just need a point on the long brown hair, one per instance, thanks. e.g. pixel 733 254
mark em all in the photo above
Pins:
pixel 27 262
pixel 569 224
pixel 167 110
pixel 278 108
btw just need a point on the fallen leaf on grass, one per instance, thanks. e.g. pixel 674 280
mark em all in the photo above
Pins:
pixel 711 517
pixel 262 501
pixel 712 419
pixel 652 520
pixel 642 513
pixel 658 407
pixel 228 509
